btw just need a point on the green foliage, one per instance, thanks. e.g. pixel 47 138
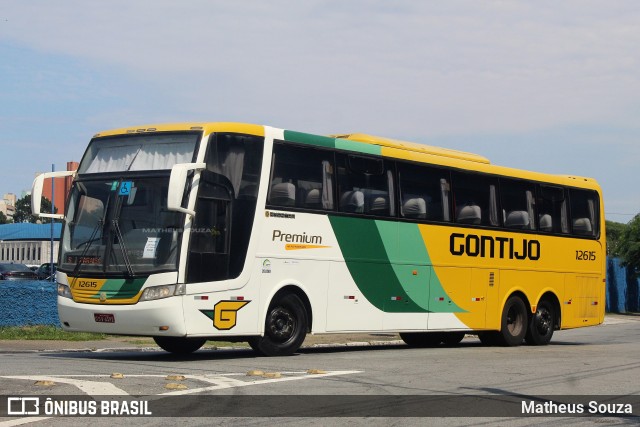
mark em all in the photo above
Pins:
pixel 4 219
pixel 628 246
pixel 45 332
pixel 23 210
pixel 614 231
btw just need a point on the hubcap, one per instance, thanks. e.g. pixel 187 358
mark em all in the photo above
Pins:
pixel 543 321
pixel 514 321
pixel 281 324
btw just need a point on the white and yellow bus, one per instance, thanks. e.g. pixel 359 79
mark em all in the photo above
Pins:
pixel 189 232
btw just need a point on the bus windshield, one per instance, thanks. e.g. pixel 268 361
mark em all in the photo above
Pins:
pixel 138 152
pixel 120 226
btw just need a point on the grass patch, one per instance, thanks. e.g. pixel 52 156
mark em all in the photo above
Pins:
pixel 46 332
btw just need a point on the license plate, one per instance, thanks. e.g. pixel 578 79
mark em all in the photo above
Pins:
pixel 104 318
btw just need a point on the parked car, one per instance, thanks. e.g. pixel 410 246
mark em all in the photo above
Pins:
pixel 15 271
pixel 44 271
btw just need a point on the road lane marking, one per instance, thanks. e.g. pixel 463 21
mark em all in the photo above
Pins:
pixel 92 388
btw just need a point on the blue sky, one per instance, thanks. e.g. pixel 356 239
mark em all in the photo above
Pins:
pixel 542 85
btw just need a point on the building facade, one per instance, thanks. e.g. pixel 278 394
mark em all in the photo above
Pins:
pixel 29 244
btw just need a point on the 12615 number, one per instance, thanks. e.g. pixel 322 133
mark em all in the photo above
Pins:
pixel 585 255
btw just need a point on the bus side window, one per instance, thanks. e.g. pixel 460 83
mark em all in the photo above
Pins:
pixel 518 204
pixel 584 212
pixel 552 210
pixel 424 192
pixel 365 185
pixel 301 177
pixel 475 199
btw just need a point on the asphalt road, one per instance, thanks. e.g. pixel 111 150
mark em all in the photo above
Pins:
pixel 371 384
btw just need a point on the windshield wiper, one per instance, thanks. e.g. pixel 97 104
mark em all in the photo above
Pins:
pixel 123 247
pixel 92 239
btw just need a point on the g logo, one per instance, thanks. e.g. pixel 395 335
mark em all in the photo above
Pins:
pixel 225 314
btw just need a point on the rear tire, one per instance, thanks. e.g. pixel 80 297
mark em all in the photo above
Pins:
pixel 489 338
pixel 421 339
pixel 541 324
pixel 285 328
pixel 514 322
pixel 179 345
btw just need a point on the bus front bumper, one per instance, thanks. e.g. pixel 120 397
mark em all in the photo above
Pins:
pixel 164 317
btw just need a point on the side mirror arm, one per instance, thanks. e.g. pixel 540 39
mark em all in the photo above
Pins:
pixel 36 192
pixel 177 182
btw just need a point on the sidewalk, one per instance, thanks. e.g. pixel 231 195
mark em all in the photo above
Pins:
pixel 113 343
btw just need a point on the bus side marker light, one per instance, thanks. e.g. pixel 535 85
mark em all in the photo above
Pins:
pixel 396 298
pixel 164 328
pixel 568 302
pixel 440 299
pixel 349 297
pixel 594 303
pixel 415 272
pixel 201 297
pixel 237 298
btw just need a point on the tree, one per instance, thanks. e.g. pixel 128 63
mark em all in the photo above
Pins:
pixel 4 219
pixel 628 247
pixel 614 231
pixel 23 210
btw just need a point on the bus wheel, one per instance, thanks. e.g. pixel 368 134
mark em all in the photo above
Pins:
pixel 421 339
pixel 489 338
pixel 541 325
pixel 514 322
pixel 179 345
pixel 285 328
pixel 452 338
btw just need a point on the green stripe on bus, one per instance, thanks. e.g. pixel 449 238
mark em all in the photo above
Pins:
pixel 389 260
pixel 121 288
pixel 307 138
pixel 368 263
pixel 327 142
pixel 360 147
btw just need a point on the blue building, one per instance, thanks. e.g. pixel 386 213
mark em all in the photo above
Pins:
pixel 29 243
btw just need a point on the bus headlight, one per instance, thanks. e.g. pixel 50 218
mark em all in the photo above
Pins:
pixel 158 292
pixel 64 291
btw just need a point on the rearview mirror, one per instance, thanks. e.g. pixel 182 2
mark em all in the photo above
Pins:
pixel 177 182
pixel 36 192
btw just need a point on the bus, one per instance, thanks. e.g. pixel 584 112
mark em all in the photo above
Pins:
pixel 241 232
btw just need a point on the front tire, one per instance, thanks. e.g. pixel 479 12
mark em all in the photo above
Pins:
pixel 285 328
pixel 513 327
pixel 541 325
pixel 179 345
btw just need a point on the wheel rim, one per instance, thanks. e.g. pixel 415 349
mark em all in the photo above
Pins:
pixel 514 321
pixel 282 324
pixel 543 320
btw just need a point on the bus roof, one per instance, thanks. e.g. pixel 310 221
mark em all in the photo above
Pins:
pixel 206 127
pixel 412 146
pixel 446 155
